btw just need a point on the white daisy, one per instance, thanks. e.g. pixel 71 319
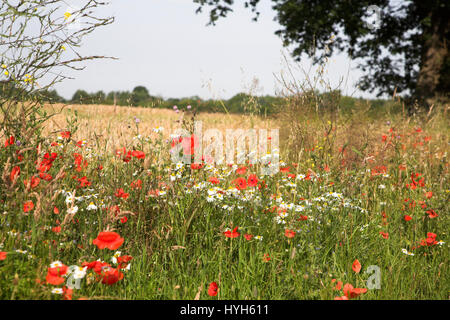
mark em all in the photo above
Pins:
pixel 73 210
pixel 57 291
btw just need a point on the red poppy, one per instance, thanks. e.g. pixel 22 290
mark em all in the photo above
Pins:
pixel 196 166
pixel 97 266
pixel 108 239
pixel 9 141
pixel 122 261
pixel 241 170
pixel 378 170
pixel 175 141
pixel 67 293
pixel 232 234
pixel 414 183
pixel 3 255
pixel 138 154
pixel 407 218
pixel 285 169
pixel 351 292
pixel 240 183
pixel 28 206
pixel 121 194
pixel 123 220
pixel 114 210
pixel 252 180
pixel 289 233
pixel 212 290
pixel 54 275
pixel 431 235
pixel 79 162
pixel 356 266
pixel 383 214
pixel 65 134
pixel 33 183
pixel 45 176
pixel 136 184
pixel 126 155
pixel 153 193
pixel 214 180
pixel 111 275
pixel 84 182
pixel 248 237
pixel 56 229
pixel 266 257
pixel 55 210
pixel 429 241
pixel 15 172
pixel 338 285
pixel 385 235
pixel 429 194
pixel 47 162
pixel 432 213
pixel 262 185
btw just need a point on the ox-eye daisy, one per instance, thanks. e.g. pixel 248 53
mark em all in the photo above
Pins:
pixel 57 291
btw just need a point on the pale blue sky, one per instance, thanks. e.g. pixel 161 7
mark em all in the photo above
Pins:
pixel 165 46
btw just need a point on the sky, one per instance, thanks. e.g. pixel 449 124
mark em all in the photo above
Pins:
pixel 166 47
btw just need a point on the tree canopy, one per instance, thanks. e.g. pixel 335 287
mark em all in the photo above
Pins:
pixel 405 51
pixel 140 94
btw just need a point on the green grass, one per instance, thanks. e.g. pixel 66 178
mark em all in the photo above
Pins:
pixel 177 240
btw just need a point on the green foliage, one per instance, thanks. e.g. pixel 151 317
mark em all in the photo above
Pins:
pixel 80 97
pixel 406 53
pixel 241 103
pixel 51 96
pixel 139 96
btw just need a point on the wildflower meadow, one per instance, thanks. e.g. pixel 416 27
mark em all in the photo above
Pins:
pixel 82 221
pixel 309 202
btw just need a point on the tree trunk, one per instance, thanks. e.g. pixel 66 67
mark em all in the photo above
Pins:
pixel 435 57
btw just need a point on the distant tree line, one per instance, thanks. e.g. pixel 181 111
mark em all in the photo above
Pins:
pixel 140 97
pixel 240 103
